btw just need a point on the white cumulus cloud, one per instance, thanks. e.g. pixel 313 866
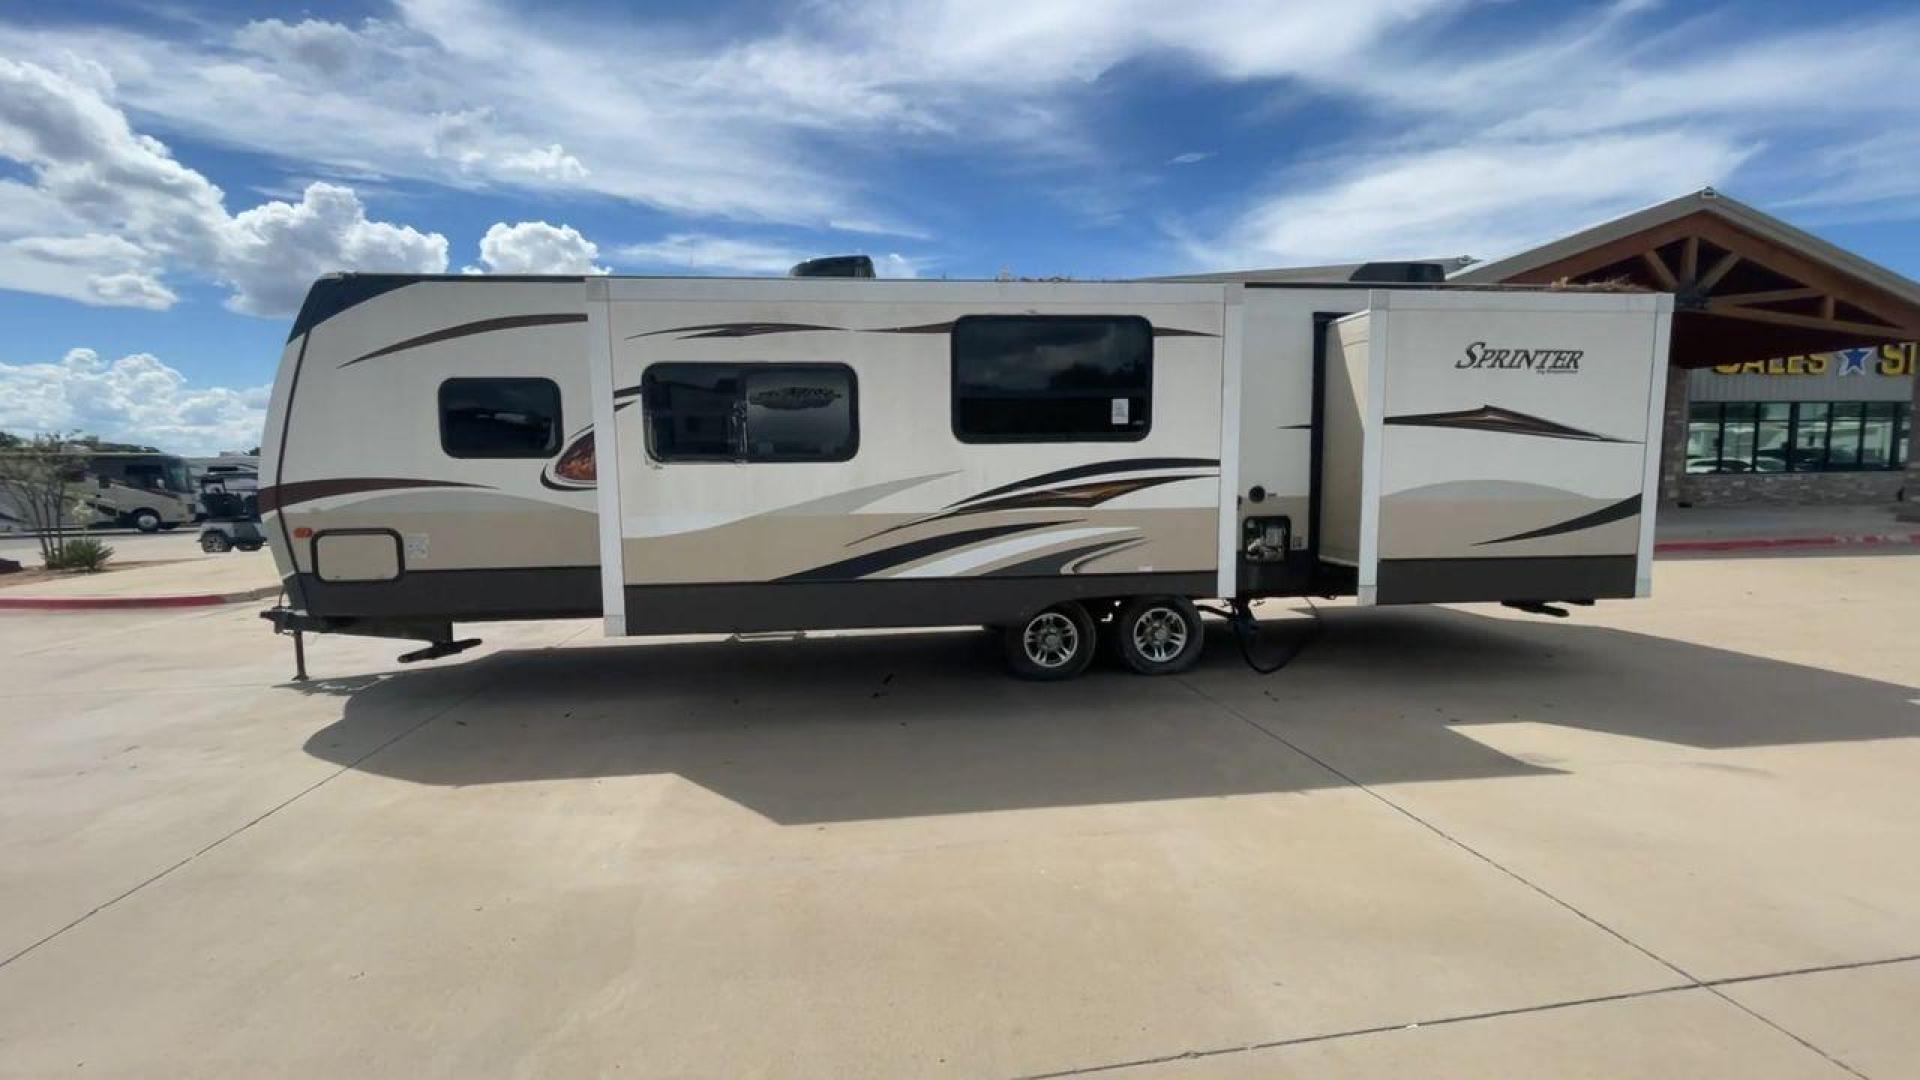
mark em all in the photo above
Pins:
pixel 535 247
pixel 271 253
pixel 136 399
pixel 117 211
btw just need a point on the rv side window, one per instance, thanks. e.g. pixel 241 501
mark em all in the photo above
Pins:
pixel 751 412
pixel 1052 378
pixel 500 418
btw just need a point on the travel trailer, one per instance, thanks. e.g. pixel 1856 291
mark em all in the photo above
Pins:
pixel 1066 462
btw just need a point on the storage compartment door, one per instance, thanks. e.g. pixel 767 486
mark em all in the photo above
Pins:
pixel 357 555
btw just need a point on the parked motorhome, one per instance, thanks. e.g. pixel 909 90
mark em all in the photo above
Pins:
pixel 1060 460
pixel 146 491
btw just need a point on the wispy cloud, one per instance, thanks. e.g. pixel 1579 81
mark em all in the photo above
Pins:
pixel 705 254
pixel 1191 157
pixel 474 92
pixel 1493 149
pixel 701 253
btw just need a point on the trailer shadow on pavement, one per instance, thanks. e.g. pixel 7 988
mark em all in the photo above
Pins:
pixel 875 727
pixel 907 725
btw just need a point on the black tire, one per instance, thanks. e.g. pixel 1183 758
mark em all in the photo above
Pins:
pixel 1159 635
pixel 145 520
pixel 1057 643
pixel 214 543
pixel 254 546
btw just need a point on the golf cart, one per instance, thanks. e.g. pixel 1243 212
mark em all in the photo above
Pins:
pixel 233 518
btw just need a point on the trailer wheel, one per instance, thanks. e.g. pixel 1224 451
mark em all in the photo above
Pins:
pixel 1159 635
pixel 145 520
pixel 1057 643
pixel 214 543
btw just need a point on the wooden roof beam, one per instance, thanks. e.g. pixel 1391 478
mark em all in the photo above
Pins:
pixel 1809 322
pixel 1715 272
pixel 1658 267
pixel 1756 249
pixel 1772 296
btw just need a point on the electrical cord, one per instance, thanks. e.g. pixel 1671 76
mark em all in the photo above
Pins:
pixel 1246 633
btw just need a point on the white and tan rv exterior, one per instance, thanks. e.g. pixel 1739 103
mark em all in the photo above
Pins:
pixel 1505 453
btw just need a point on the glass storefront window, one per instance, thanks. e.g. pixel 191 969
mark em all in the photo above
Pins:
pixel 1736 436
pixel 1806 436
pixel 1876 435
pixel 1770 437
pixel 1810 436
pixel 1843 445
pixel 1703 437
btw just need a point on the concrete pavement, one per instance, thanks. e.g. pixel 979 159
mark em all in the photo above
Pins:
pixel 1610 845
pixel 190 577
pixel 1760 527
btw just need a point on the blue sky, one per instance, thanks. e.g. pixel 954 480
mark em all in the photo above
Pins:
pixel 172 173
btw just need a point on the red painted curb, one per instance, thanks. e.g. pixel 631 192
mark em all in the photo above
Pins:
pixel 109 603
pixel 1761 543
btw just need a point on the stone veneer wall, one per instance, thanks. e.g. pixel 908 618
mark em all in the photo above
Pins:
pixel 1833 487
pixel 1673 436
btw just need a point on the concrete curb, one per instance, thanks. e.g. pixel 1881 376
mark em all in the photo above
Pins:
pixel 113 603
pixel 1764 543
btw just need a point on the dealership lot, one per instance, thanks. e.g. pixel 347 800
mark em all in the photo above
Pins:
pixel 1670 837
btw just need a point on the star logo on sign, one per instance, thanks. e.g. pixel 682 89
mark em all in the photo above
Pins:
pixel 1853 361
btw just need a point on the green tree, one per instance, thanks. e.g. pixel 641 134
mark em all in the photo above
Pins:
pixel 38 478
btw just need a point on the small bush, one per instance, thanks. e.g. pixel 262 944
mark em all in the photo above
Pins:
pixel 80 553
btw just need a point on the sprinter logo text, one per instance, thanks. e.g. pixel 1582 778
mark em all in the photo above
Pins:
pixel 1539 361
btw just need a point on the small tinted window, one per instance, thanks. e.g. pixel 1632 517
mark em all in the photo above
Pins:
pixel 1052 378
pixel 500 418
pixel 751 412
pixel 690 410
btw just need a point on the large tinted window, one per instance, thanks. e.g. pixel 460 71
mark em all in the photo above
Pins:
pixel 1052 378
pixel 500 418
pixel 751 412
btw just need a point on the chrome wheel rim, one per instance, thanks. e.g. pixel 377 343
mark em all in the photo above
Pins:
pixel 1160 634
pixel 1050 640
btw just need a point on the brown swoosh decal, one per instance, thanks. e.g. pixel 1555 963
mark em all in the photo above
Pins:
pixel 1077 496
pixel 281 496
pixel 923 328
pixel 484 326
pixel 1625 508
pixel 1170 331
pixel 735 329
pixel 913 550
pixel 1096 469
pixel 1505 421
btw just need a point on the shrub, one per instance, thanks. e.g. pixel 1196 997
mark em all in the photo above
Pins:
pixel 80 553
